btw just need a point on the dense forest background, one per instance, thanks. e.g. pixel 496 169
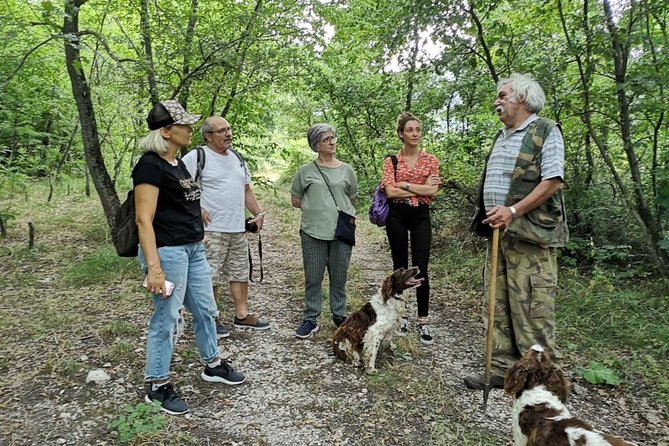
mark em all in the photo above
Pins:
pixel 77 78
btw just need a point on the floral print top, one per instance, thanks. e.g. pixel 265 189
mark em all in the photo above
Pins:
pixel 426 165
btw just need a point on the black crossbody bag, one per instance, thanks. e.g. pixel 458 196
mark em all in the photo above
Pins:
pixel 345 230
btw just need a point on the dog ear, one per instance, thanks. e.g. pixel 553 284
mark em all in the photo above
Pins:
pixel 515 379
pixel 387 287
pixel 556 383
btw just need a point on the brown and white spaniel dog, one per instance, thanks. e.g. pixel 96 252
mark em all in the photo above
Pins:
pixel 358 339
pixel 540 417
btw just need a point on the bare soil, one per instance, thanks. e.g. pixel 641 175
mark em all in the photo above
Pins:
pixel 297 392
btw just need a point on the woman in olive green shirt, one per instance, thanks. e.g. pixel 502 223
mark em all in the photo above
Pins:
pixel 320 248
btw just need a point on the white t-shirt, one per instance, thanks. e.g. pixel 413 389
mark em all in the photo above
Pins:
pixel 224 183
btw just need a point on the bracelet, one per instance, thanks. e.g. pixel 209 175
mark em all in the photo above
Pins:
pixel 513 212
pixel 407 186
pixel 259 214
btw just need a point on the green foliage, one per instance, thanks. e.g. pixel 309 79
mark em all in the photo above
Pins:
pixel 101 266
pixel 141 418
pixel 596 373
pixel 275 68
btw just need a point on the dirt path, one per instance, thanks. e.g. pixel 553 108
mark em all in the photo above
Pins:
pixel 296 393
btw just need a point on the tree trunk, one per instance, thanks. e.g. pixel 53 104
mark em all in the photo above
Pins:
pixel 242 49
pixel 184 94
pixel 486 56
pixel 64 151
pixel 412 66
pixel 620 54
pixel 145 27
pixel 82 96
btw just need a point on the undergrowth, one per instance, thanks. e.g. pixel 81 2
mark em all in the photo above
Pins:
pixel 602 316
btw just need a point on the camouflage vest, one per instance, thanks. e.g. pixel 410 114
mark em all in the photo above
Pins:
pixel 545 225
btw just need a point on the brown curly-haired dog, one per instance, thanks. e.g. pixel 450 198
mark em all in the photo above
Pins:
pixel 539 416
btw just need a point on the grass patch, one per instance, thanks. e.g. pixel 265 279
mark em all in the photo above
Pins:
pixel 119 327
pixel 101 266
pixel 623 326
pixel 53 319
pixel 67 368
pixel 121 350
pixel 136 420
pixel 603 316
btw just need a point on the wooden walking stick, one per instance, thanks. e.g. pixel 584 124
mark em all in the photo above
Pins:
pixel 492 283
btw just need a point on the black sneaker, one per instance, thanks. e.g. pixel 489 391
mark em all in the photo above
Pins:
pixel 223 373
pixel 221 332
pixel 168 397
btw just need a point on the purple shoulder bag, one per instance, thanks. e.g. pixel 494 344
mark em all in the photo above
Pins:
pixel 380 208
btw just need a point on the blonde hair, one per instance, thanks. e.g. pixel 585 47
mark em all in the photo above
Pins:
pixel 154 142
pixel 402 120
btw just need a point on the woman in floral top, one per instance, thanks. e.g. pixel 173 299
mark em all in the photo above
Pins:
pixel 410 194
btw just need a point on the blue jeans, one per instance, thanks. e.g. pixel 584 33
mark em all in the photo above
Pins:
pixel 317 255
pixel 187 267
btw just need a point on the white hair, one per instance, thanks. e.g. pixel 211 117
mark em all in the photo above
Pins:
pixel 154 142
pixel 526 88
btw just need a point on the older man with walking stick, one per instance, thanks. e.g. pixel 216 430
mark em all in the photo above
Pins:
pixel 521 195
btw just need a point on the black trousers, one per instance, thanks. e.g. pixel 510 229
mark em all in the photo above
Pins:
pixel 411 223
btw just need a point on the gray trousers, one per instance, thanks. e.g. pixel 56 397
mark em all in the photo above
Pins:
pixel 316 256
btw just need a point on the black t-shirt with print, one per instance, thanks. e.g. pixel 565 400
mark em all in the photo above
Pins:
pixel 177 220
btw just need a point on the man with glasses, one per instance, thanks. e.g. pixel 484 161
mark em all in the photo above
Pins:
pixel 226 193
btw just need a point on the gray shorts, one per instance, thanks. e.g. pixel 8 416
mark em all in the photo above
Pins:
pixel 228 255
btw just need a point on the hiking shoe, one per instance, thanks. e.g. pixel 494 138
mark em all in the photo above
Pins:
pixel 221 332
pixel 250 321
pixel 338 320
pixel 476 382
pixel 168 397
pixel 306 329
pixel 404 327
pixel 425 334
pixel 223 373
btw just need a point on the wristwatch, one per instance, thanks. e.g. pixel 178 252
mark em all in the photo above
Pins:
pixel 513 212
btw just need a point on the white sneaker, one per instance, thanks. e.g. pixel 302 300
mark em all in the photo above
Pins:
pixel 425 334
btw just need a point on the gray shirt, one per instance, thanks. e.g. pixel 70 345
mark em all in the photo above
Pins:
pixel 503 161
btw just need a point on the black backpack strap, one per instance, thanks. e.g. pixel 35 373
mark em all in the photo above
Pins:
pixel 393 158
pixel 201 159
pixel 242 162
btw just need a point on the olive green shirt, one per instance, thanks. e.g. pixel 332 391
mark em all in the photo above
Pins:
pixel 319 212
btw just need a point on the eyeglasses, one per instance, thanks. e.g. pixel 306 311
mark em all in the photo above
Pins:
pixel 221 131
pixel 329 139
